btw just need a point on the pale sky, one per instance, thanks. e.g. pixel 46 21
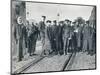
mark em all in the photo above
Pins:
pixel 36 10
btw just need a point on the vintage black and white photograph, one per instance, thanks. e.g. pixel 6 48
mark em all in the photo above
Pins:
pixel 52 37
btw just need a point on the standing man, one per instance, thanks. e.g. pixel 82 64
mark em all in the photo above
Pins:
pixel 20 38
pixel 48 38
pixel 42 32
pixel 66 35
pixel 50 34
pixel 59 42
pixel 54 27
pixel 80 37
pixel 24 32
pixel 70 39
pixel 32 38
pixel 87 43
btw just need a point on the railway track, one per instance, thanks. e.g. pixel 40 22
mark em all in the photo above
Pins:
pixel 25 67
pixel 66 64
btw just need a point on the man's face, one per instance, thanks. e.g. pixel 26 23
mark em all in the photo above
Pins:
pixel 54 23
pixel 48 24
pixel 61 24
pixel 81 25
pixel 66 22
pixel 42 19
pixel 19 20
pixel 87 25
pixel 91 25
pixel 69 23
pixel 76 23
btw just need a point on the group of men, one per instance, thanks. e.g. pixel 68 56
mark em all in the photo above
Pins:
pixel 63 36
pixel 67 36
pixel 26 35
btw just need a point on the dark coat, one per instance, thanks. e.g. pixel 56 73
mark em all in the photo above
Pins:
pixel 24 32
pixel 59 41
pixel 20 42
pixel 80 37
pixel 32 39
pixel 54 27
pixel 25 35
pixel 42 26
pixel 49 33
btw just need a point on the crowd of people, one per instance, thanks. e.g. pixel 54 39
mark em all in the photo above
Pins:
pixel 57 37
